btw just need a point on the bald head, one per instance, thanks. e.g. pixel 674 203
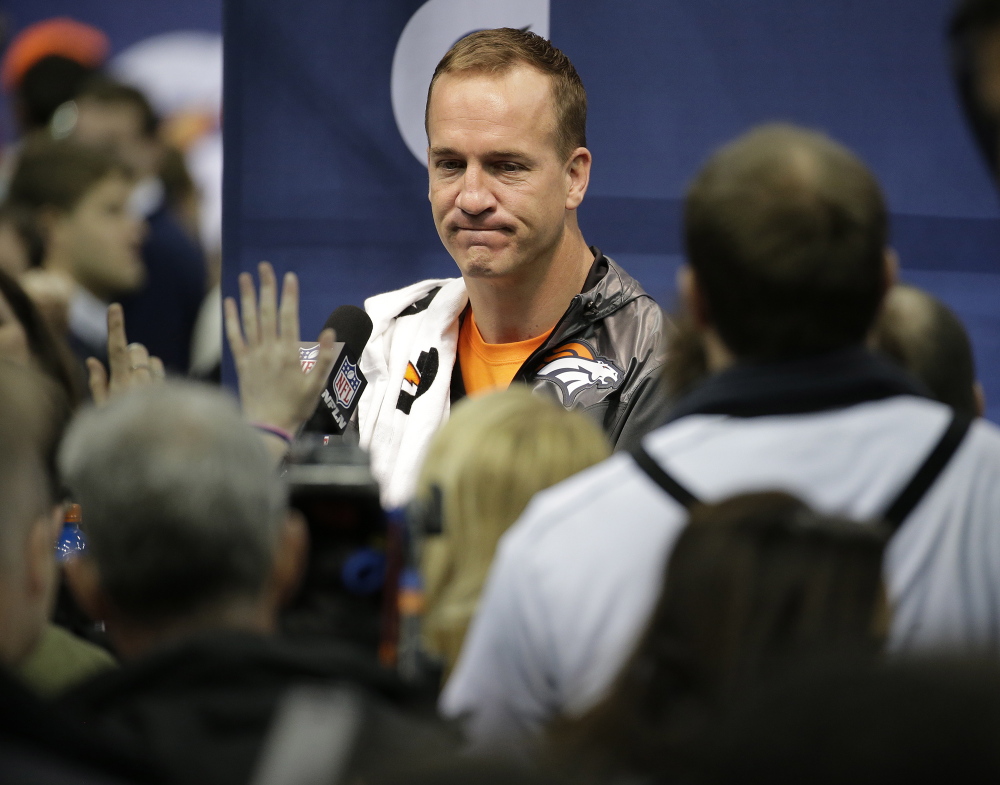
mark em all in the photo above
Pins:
pixel 923 335
pixel 786 231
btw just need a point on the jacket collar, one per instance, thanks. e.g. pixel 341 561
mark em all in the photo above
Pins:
pixel 607 288
pixel 829 381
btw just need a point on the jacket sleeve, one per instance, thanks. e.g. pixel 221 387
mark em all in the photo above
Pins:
pixel 646 409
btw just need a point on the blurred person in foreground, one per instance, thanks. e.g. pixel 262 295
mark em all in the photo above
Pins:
pixel 974 36
pixel 914 329
pixel 78 199
pixel 859 723
pixel 482 468
pixel 36 744
pixel 756 585
pixel 191 551
pixel 786 237
pixel 920 333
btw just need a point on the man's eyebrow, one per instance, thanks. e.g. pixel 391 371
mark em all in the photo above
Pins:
pixel 446 152
pixel 516 154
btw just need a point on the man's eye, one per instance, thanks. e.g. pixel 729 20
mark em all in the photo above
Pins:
pixel 449 166
pixel 509 167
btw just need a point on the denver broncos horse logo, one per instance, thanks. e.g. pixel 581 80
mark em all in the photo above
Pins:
pixel 574 367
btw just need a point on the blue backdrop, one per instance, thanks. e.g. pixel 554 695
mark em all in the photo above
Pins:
pixel 319 177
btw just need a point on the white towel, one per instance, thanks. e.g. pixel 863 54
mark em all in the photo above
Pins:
pixel 398 363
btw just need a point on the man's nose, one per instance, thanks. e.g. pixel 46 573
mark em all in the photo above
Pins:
pixel 475 196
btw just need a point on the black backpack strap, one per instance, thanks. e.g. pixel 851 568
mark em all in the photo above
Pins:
pixel 660 476
pixel 928 472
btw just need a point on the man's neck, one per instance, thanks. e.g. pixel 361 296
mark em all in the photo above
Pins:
pixel 717 354
pixel 132 640
pixel 510 310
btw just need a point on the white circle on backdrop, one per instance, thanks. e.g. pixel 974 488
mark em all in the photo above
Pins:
pixel 431 31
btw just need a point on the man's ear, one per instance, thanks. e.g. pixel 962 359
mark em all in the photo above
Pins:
pixel 41 551
pixel 290 557
pixel 890 268
pixel 577 176
pixel 84 583
pixel 691 297
pixel 50 221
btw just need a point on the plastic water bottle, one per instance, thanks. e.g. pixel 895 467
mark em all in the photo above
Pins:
pixel 71 539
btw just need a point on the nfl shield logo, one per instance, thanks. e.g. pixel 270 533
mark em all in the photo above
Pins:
pixel 307 357
pixel 346 383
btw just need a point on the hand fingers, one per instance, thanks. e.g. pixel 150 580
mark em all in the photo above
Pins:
pixel 97 379
pixel 156 369
pixel 139 368
pixel 268 302
pixel 233 332
pixel 248 309
pixel 118 359
pixel 290 308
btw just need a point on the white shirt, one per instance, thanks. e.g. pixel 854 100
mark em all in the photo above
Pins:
pixel 575 580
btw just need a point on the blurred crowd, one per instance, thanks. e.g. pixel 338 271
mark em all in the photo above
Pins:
pixel 794 577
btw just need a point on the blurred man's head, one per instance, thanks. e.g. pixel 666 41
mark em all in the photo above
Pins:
pixel 975 39
pixel 118 118
pixel 79 199
pixel 45 64
pixel 30 420
pixel 785 233
pixel 184 515
pixel 506 129
pixel 923 335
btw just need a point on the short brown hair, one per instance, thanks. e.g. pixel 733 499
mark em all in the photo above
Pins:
pixel 103 90
pixel 59 173
pixel 924 336
pixel 496 52
pixel 786 231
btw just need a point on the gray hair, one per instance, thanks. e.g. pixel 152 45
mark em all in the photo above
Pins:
pixel 181 502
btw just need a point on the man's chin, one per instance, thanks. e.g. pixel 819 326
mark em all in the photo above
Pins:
pixel 481 265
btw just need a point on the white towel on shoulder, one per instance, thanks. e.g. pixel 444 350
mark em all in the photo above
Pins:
pixel 399 363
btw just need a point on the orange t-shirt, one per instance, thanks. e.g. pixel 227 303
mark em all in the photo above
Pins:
pixel 490 366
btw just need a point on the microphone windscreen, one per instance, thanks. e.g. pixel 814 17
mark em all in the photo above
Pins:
pixel 353 326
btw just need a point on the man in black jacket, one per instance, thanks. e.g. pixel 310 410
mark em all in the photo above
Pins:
pixel 508 168
pixel 190 552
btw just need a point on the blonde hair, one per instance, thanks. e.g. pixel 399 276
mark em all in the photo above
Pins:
pixel 488 460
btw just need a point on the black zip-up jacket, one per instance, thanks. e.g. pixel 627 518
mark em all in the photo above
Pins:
pixel 604 356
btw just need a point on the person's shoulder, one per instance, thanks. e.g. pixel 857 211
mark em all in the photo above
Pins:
pixel 612 494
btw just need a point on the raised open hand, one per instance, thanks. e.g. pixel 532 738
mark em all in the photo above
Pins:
pixel 264 339
pixel 131 364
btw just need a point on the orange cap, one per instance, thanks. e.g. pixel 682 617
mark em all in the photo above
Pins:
pixel 73 514
pixel 59 36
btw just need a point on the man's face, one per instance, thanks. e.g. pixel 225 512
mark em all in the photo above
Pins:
pixel 103 238
pixel 499 190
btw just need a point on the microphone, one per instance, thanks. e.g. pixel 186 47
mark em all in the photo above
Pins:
pixel 343 388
